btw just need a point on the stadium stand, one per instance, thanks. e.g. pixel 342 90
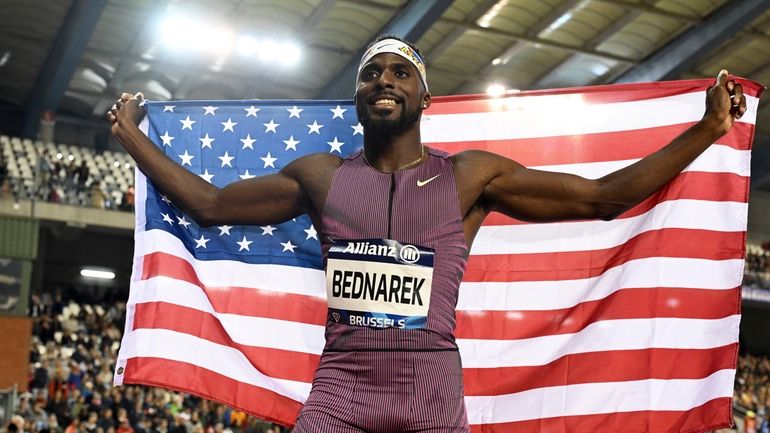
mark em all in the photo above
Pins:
pixel 75 345
pixel 66 174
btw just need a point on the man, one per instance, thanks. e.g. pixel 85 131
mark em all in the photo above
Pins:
pixel 396 222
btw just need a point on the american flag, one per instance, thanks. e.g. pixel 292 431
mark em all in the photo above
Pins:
pixel 580 326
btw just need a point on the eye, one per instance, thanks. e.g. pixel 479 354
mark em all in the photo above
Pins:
pixel 401 74
pixel 369 75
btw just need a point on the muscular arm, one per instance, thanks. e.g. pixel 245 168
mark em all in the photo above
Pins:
pixel 497 183
pixel 297 189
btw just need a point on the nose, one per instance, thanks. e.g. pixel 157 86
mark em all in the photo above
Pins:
pixel 385 79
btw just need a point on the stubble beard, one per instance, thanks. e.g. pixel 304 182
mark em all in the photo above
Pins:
pixel 387 127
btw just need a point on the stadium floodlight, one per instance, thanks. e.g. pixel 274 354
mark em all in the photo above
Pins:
pixel 247 46
pixel 269 50
pixel 96 273
pixel 496 90
pixel 289 54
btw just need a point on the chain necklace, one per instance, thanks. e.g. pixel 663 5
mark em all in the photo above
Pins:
pixel 407 165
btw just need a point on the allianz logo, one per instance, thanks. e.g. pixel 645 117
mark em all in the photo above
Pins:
pixel 407 253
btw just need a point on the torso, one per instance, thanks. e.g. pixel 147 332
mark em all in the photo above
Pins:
pixel 423 209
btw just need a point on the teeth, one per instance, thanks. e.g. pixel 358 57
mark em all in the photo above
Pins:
pixel 385 102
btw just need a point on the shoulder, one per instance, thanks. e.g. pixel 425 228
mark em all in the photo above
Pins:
pixel 312 165
pixel 475 160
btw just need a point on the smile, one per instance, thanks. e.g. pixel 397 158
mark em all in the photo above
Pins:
pixel 385 102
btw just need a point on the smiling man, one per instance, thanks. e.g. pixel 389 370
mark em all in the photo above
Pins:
pixel 397 220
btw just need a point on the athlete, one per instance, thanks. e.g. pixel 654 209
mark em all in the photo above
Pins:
pixel 396 221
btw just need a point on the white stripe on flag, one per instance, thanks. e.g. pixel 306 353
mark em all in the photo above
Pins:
pixel 716 159
pixel 280 334
pixel 227 361
pixel 596 398
pixel 593 235
pixel 529 117
pixel 606 335
pixel 226 273
pixel 640 273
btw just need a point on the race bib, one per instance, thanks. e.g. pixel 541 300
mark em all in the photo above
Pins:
pixel 379 283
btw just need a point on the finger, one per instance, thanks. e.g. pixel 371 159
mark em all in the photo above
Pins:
pixel 722 77
pixel 126 96
pixel 119 104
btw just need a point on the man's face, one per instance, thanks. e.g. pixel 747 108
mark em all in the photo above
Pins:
pixel 390 95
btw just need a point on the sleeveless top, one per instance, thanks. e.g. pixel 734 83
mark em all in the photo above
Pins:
pixel 419 206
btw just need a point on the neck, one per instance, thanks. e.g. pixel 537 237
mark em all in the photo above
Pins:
pixel 395 152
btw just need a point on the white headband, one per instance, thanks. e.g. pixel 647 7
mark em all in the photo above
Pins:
pixel 397 47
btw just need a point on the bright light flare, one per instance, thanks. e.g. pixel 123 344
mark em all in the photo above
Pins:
pixel 186 34
pixel 496 90
pixel 95 273
pixel 247 46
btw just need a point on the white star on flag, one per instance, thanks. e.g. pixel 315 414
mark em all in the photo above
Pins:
pixel 166 139
pixel 338 112
pixel 165 199
pixel 358 129
pixel 269 161
pixel 291 143
pixel 228 126
pixel 206 176
pixel 167 218
pixel 246 175
pixel 294 112
pixel 335 145
pixel 169 108
pixel 315 127
pixel 186 158
pixel 251 111
pixel 201 242
pixel 206 141
pixel 209 110
pixel 183 221
pixel 271 127
pixel 248 142
pixel 311 233
pixel 267 230
pixel 224 230
pixel 244 244
pixel 187 123
pixel 288 246
pixel 226 159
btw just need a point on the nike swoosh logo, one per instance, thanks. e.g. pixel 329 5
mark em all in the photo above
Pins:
pixel 425 182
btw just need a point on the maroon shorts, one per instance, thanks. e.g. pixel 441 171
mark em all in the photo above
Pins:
pixel 382 392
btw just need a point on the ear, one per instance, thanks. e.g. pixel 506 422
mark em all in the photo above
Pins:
pixel 426 98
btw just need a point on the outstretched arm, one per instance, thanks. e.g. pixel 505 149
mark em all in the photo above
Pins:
pixel 263 200
pixel 545 196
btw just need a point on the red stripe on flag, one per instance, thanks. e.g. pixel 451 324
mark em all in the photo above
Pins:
pixel 712 415
pixel 260 402
pixel 239 300
pixel 586 148
pixel 573 265
pixel 277 363
pixel 607 366
pixel 691 185
pixel 630 303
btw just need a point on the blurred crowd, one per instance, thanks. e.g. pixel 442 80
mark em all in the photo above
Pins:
pixel 757 272
pixel 73 353
pixel 752 392
pixel 62 180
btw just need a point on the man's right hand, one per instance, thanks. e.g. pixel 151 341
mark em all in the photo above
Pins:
pixel 127 110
